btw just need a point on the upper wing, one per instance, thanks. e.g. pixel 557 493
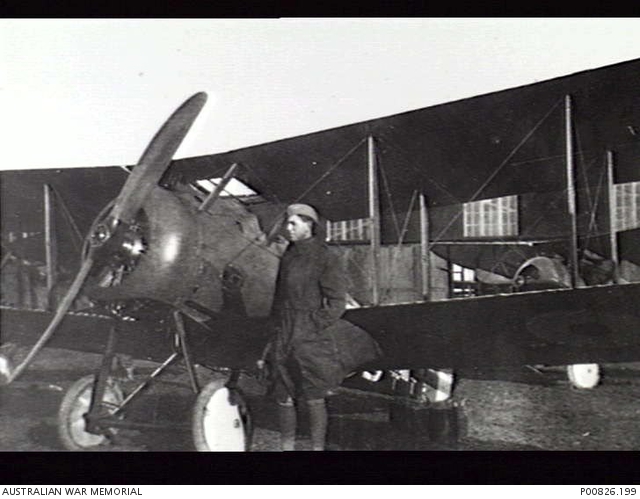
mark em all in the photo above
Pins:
pixel 508 142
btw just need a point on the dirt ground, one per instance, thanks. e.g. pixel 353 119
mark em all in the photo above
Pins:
pixel 541 412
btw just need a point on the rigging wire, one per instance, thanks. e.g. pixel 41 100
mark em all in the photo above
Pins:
pixel 583 170
pixel 401 232
pixel 70 219
pixel 407 161
pixel 396 256
pixel 407 217
pixel 330 170
pixel 261 180
pixel 391 144
pixel 592 230
pixel 488 180
pixel 280 215
pixel 387 190
pixel 499 168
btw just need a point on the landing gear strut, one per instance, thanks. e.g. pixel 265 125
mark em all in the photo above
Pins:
pixel 72 425
pixel 93 408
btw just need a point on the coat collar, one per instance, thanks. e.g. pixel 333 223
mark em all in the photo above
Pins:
pixel 305 247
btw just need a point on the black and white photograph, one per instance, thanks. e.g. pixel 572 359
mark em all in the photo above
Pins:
pixel 331 234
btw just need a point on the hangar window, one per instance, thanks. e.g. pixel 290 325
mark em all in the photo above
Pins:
pixel 463 281
pixel 495 217
pixel 627 206
pixel 358 230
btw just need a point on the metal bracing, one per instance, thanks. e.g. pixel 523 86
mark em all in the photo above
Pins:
pixel 613 236
pixel 374 215
pixel 425 261
pixel 571 192
pixel 215 194
pixel 50 242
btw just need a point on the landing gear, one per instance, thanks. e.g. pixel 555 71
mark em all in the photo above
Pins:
pixel 72 425
pixel 94 407
pixel 584 376
pixel 220 420
pixel 540 273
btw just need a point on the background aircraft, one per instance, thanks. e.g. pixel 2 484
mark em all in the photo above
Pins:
pixel 198 268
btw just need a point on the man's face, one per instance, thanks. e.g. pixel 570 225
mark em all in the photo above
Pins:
pixel 298 229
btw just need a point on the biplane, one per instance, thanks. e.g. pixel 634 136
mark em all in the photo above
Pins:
pixel 536 189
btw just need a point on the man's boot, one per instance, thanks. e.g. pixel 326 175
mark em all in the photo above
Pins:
pixel 318 422
pixel 287 417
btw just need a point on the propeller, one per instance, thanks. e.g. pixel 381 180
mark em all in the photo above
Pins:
pixel 154 161
pixel 144 177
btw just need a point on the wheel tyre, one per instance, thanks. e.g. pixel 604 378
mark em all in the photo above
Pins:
pixel 75 404
pixel 6 368
pixel 584 376
pixel 217 424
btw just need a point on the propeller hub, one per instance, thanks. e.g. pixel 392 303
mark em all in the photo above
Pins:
pixel 100 235
pixel 117 253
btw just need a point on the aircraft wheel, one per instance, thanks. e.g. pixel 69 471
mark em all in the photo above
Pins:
pixel 584 375
pixel 6 362
pixel 75 404
pixel 220 420
pixel 5 369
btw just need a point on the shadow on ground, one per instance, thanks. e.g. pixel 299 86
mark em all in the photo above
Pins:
pixel 490 415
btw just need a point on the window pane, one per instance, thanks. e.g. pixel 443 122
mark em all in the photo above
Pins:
pixel 627 206
pixel 491 217
pixel 349 230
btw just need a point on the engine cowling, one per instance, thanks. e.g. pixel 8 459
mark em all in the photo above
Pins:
pixel 176 254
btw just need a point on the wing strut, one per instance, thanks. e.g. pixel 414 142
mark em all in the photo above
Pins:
pixel 374 215
pixel 50 242
pixel 571 191
pixel 215 194
pixel 613 236
pixel 425 261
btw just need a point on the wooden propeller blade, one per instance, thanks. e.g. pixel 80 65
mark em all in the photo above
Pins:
pixel 147 173
pixel 156 159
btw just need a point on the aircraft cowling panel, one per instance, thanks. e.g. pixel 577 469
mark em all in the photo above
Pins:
pixel 245 262
pixel 171 265
pixel 188 258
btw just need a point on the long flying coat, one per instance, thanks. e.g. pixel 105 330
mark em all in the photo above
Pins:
pixel 314 348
